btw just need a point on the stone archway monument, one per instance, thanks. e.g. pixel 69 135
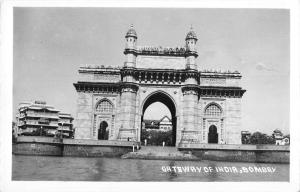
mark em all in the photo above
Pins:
pixel 196 99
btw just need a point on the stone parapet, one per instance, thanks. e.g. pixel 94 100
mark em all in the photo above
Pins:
pixel 234 147
pixel 99 142
pixel 160 62
pixel 238 153
pixel 35 139
pixel 27 145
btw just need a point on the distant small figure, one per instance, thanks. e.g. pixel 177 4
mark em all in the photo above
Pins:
pixel 163 143
pixel 128 139
pixel 145 142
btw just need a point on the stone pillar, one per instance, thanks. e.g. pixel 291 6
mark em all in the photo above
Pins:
pixel 190 98
pixel 127 130
pixel 128 112
pixel 191 61
pixel 190 134
pixel 84 116
pixel 233 122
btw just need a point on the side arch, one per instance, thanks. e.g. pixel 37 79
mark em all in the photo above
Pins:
pixel 103 111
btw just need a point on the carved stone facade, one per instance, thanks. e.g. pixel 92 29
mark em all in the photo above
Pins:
pixel 205 105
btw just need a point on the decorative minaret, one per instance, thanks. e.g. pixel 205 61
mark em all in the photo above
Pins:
pixel 129 89
pixel 130 48
pixel 191 51
pixel 190 91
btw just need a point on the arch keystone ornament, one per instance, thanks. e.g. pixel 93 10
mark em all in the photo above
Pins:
pixel 205 105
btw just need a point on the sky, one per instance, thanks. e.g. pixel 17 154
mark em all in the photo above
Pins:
pixel 51 43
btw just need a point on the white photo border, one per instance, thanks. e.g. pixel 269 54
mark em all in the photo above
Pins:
pixel 6 84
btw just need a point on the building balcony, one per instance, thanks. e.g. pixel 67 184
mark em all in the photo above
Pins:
pixel 50 125
pixel 21 123
pixel 42 115
pixel 22 115
pixel 65 123
pixel 67 129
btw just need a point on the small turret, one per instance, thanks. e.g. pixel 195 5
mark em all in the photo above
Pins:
pixel 131 38
pixel 191 51
pixel 130 48
pixel 191 40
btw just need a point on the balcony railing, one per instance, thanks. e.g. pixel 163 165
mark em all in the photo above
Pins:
pixel 37 123
pixel 45 115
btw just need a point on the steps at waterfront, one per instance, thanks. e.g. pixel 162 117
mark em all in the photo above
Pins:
pixel 159 153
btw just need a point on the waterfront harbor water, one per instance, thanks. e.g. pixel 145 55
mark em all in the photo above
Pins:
pixel 47 168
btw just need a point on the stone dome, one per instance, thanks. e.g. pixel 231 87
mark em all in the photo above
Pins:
pixel 191 35
pixel 131 32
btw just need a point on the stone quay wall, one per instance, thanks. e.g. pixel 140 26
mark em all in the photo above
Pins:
pixel 97 148
pixel 27 145
pixel 30 145
pixel 239 153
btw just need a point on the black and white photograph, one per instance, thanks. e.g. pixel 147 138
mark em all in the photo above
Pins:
pixel 151 94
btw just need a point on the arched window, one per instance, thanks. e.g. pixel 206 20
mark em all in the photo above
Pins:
pixel 213 110
pixel 104 107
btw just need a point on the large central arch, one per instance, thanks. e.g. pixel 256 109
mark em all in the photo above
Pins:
pixel 167 100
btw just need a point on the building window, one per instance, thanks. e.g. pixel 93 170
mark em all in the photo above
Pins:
pixel 104 107
pixel 213 110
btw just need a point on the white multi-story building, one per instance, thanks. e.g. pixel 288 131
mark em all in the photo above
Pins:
pixel 65 125
pixel 38 118
pixel 165 124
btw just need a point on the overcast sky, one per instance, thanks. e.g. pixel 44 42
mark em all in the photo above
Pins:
pixel 51 43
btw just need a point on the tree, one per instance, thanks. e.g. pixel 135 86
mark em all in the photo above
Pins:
pixel 261 138
pixel 14 139
pixel 157 137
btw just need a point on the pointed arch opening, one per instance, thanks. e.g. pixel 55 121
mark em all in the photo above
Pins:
pixel 103 131
pixel 167 100
pixel 213 134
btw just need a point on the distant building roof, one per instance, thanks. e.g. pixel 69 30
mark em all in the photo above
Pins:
pixel 245 132
pixel 36 105
pixel 165 117
pixel 65 115
pixel 154 124
pixel 151 124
